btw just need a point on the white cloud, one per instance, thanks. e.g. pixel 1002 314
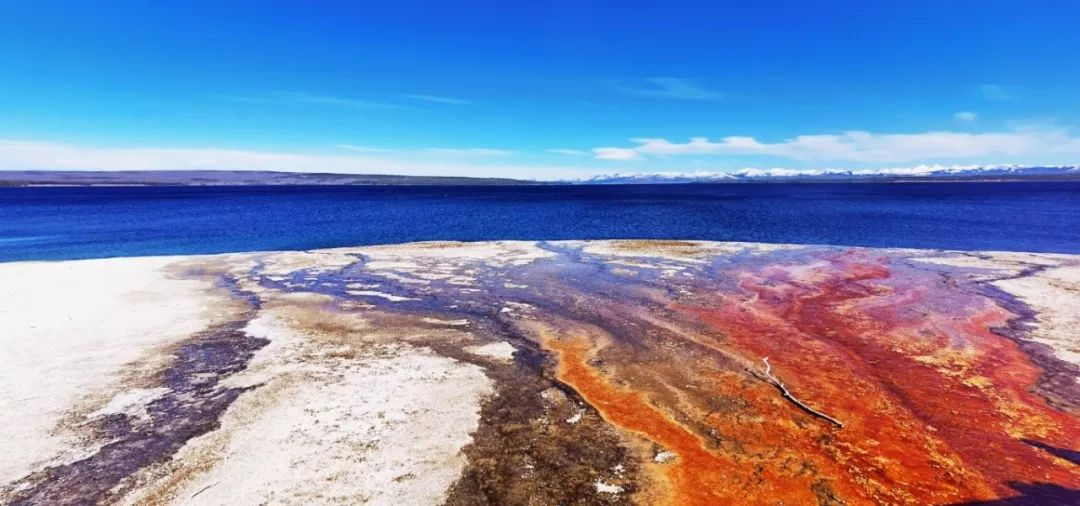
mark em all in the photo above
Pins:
pixel 31 155
pixel 439 99
pixel 616 154
pixel 568 152
pixel 859 146
pixel 965 116
pixel 994 92
pixel 670 87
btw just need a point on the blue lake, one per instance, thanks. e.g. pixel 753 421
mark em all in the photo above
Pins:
pixel 72 222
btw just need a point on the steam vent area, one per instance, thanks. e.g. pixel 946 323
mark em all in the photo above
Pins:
pixel 543 373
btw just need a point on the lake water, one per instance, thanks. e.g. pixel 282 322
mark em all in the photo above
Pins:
pixel 67 223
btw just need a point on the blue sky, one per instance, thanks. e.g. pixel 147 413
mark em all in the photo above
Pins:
pixel 548 89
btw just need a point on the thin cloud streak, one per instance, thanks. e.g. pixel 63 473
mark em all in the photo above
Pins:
pixel 362 149
pixel 349 103
pixel 439 99
pixel 469 151
pixel 994 92
pixel 671 88
pixel 567 152
pixel 295 97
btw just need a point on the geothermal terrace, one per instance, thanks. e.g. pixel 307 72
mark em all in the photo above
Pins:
pixel 606 372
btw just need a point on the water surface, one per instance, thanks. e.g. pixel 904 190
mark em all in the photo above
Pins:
pixel 82 222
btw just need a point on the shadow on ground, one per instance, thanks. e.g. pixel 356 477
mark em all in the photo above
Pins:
pixel 1034 494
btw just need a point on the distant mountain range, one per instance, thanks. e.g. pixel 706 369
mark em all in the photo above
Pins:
pixel 253 178
pixel 227 178
pixel 898 174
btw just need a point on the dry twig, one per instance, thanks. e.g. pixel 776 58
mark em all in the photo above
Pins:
pixel 787 395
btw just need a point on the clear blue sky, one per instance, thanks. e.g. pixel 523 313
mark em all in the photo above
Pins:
pixel 491 88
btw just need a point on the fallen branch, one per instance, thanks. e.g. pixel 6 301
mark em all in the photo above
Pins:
pixel 204 489
pixel 787 395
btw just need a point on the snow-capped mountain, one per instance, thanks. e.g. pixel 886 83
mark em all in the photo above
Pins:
pixel 885 174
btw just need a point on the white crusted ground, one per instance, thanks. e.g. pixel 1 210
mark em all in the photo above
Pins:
pixel 386 429
pixel 343 412
pixel 340 416
pixel 1053 293
pixel 69 331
